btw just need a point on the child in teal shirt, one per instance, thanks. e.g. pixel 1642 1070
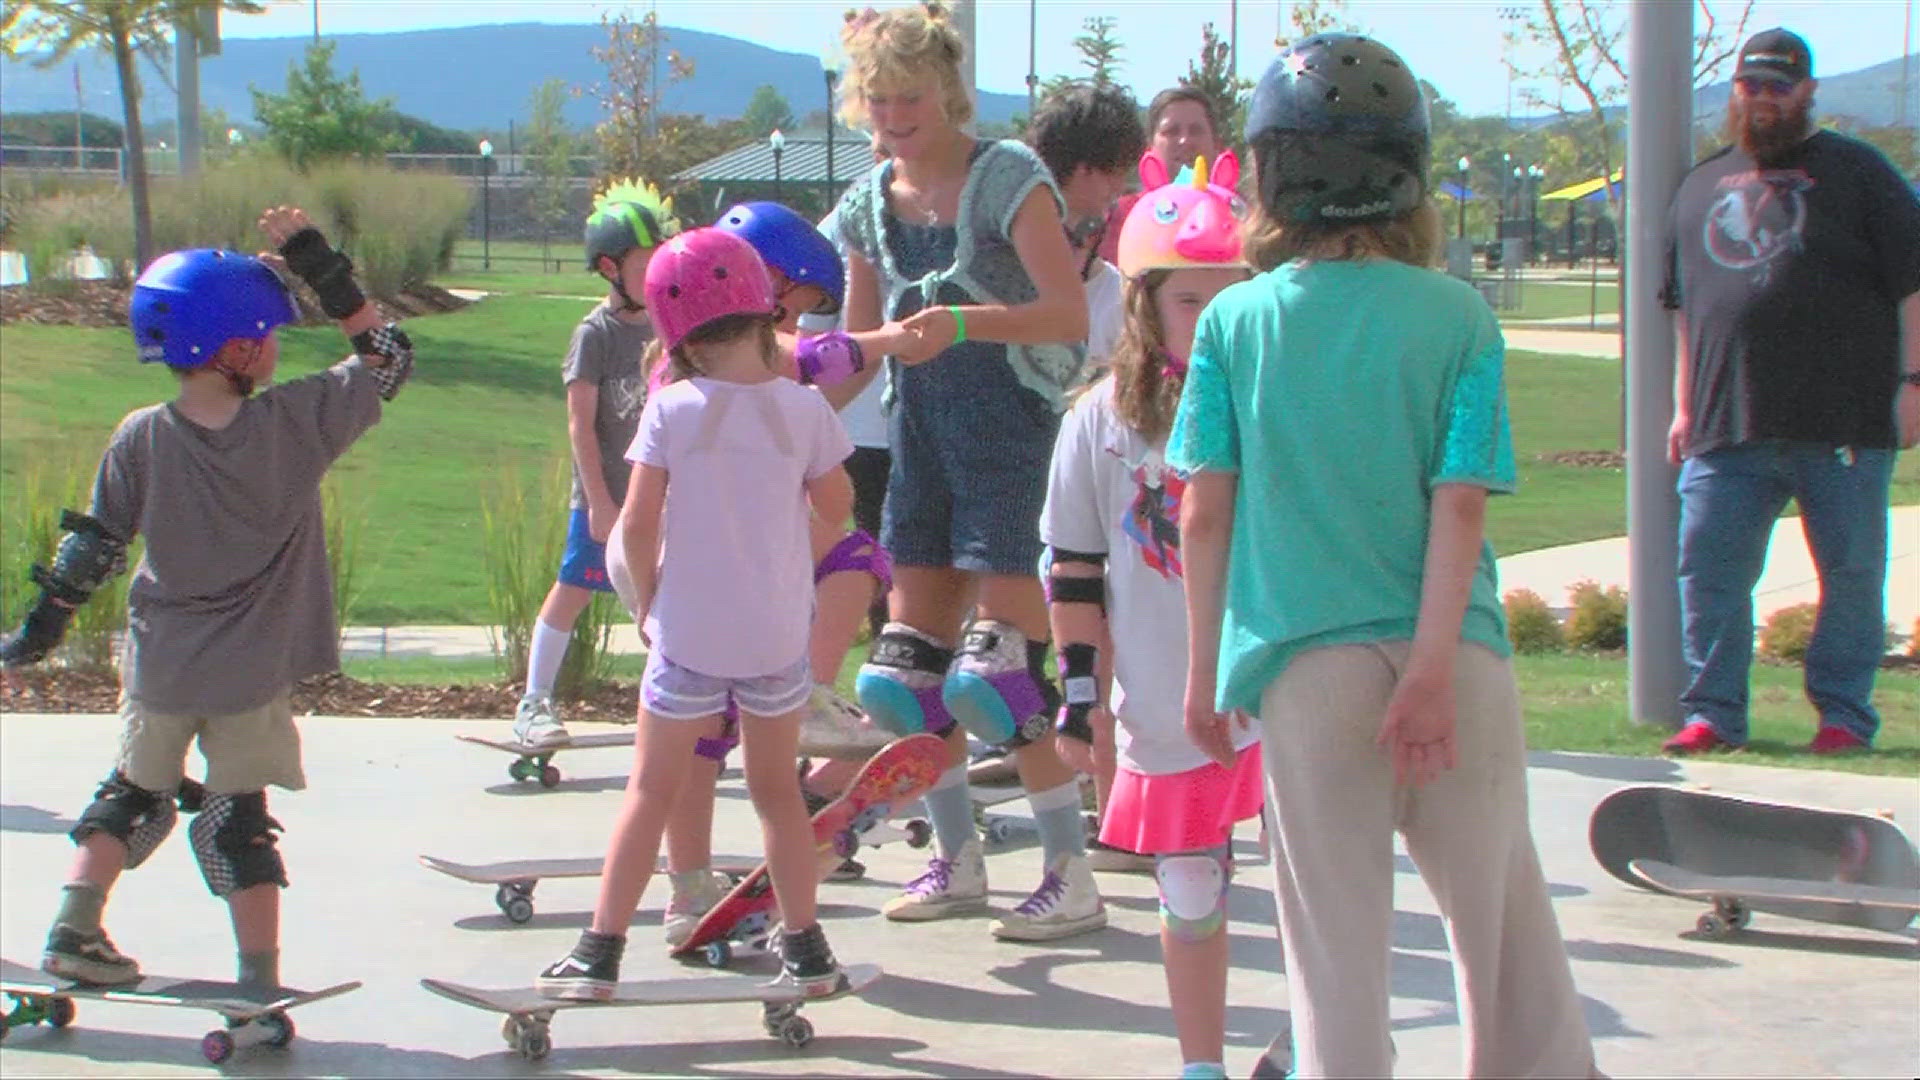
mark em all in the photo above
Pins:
pixel 1344 421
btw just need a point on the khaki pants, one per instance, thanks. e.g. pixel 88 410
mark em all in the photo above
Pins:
pixel 1337 807
pixel 245 751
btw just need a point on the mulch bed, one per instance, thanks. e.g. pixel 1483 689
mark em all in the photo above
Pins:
pixel 57 690
pixel 1587 459
pixel 104 303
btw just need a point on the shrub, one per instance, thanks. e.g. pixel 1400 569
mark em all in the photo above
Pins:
pixel 1599 618
pixel 1913 640
pixel 346 523
pixel 1785 634
pixel 1531 624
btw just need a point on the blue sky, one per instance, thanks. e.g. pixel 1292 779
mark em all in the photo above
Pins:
pixel 1454 43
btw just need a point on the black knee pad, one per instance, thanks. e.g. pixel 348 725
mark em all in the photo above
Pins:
pixel 136 817
pixel 234 842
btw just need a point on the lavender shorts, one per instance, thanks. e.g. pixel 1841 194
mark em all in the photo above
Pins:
pixel 672 692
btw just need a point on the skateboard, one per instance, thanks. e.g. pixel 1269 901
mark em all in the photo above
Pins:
pixel 1708 833
pixel 514 879
pixel 999 828
pixel 529 1014
pixel 535 762
pixel 1735 897
pixel 253 1018
pixel 898 774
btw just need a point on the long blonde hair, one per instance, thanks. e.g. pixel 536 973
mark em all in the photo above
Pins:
pixel 1145 391
pixel 887 49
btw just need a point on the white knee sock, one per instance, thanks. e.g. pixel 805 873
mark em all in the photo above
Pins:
pixel 544 654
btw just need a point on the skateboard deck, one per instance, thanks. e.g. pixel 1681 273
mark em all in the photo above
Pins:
pixel 1718 835
pixel 529 1014
pixel 253 1017
pixel 515 878
pixel 535 762
pixel 1734 896
pixel 897 775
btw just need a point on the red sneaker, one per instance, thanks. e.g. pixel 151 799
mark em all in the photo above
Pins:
pixel 1834 739
pixel 1696 737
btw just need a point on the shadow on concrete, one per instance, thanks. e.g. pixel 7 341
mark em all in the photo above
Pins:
pixel 1614 952
pixel 1889 949
pixel 828 1055
pixel 307 1057
pixel 580 920
pixel 577 784
pixel 18 817
pixel 1628 770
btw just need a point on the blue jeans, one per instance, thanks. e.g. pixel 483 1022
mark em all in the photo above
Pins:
pixel 1729 499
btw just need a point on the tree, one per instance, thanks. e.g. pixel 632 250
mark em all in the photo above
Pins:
pixel 1099 53
pixel 766 113
pixel 550 147
pixel 1900 144
pixel 121 28
pixel 630 135
pixel 1583 40
pixel 1212 75
pixel 1310 17
pixel 323 116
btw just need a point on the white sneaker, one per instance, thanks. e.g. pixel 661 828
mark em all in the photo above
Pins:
pixel 536 724
pixel 836 728
pixel 694 894
pixel 1066 903
pixel 956 886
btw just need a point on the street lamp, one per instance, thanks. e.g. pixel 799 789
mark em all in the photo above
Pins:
pixel 830 67
pixel 1500 229
pixel 1463 165
pixel 1535 174
pixel 779 144
pixel 486 205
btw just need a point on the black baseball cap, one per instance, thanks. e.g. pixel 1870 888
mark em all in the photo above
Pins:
pixel 1778 55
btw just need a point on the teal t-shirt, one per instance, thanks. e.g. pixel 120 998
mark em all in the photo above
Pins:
pixel 1341 393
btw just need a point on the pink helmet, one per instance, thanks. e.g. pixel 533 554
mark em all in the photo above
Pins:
pixel 703 275
pixel 1186 222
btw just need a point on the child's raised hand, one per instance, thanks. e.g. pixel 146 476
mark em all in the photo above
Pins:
pixel 1418 732
pixel 281 222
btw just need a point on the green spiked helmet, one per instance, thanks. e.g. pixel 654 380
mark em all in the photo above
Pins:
pixel 627 215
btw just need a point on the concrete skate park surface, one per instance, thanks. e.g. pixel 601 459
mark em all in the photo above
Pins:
pixel 1786 999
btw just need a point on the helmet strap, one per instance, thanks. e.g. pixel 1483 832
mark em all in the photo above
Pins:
pixel 242 383
pixel 1172 367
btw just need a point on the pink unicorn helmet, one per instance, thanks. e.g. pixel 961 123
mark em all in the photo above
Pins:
pixel 703 275
pixel 1184 223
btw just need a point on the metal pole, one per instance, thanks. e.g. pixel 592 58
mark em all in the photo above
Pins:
pixel 1660 101
pixel 186 81
pixel 79 110
pixel 316 22
pixel 1233 39
pixel 486 212
pixel 831 190
pixel 1033 37
pixel 776 175
pixel 962 14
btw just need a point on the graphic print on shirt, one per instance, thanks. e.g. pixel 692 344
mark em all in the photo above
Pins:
pixel 1758 217
pixel 1152 520
pixel 627 393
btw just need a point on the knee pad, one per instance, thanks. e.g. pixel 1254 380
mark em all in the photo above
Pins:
pixel 136 817
pixel 717 749
pixel 899 686
pixel 857 550
pixel 1193 892
pixel 233 840
pixel 993 690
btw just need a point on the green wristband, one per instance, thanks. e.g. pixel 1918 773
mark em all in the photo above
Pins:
pixel 959 323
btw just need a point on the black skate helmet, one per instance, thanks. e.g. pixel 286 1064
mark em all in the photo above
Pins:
pixel 1339 132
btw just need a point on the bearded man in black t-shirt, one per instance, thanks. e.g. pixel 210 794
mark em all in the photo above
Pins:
pixel 1794 269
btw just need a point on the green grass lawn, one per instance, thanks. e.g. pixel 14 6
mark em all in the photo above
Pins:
pixel 1552 300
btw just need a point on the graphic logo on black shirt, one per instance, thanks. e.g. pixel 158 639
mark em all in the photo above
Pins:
pixel 1758 217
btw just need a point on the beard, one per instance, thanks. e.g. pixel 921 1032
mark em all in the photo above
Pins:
pixel 1767 137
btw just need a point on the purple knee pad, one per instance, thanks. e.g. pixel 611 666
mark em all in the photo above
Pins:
pixel 829 358
pixel 718 749
pixel 857 550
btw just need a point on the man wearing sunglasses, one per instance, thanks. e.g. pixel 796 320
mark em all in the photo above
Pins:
pixel 1794 272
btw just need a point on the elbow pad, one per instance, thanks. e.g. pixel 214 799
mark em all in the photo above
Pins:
pixel 392 344
pixel 1066 589
pixel 827 359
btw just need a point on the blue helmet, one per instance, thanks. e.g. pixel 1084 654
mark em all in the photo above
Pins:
pixel 790 244
pixel 189 303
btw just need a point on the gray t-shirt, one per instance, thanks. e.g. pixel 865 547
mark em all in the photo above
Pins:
pixel 607 352
pixel 232 602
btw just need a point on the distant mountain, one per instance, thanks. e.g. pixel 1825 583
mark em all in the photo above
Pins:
pixel 469 78
pixel 1869 96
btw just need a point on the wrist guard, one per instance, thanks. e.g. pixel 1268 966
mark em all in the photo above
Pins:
pixel 89 554
pixel 1077 678
pixel 828 359
pixel 39 634
pixel 326 271
pixel 395 348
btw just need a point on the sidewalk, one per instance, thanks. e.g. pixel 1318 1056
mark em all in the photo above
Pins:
pixel 1787 580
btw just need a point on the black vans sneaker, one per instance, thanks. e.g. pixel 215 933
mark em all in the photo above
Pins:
pixel 808 961
pixel 591 972
pixel 87 957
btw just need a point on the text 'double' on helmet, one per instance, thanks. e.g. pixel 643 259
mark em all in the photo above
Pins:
pixel 703 275
pixel 187 304
pixel 1339 132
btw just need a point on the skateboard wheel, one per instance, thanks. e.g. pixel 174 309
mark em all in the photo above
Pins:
pixel 518 909
pixel 717 954
pixel 1713 926
pixel 279 1029
pixel 919 834
pixel 797 1032
pixel 846 843
pixel 216 1046
pixel 62 1012
pixel 510 1030
pixel 518 769
pixel 550 776
pixel 535 1043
